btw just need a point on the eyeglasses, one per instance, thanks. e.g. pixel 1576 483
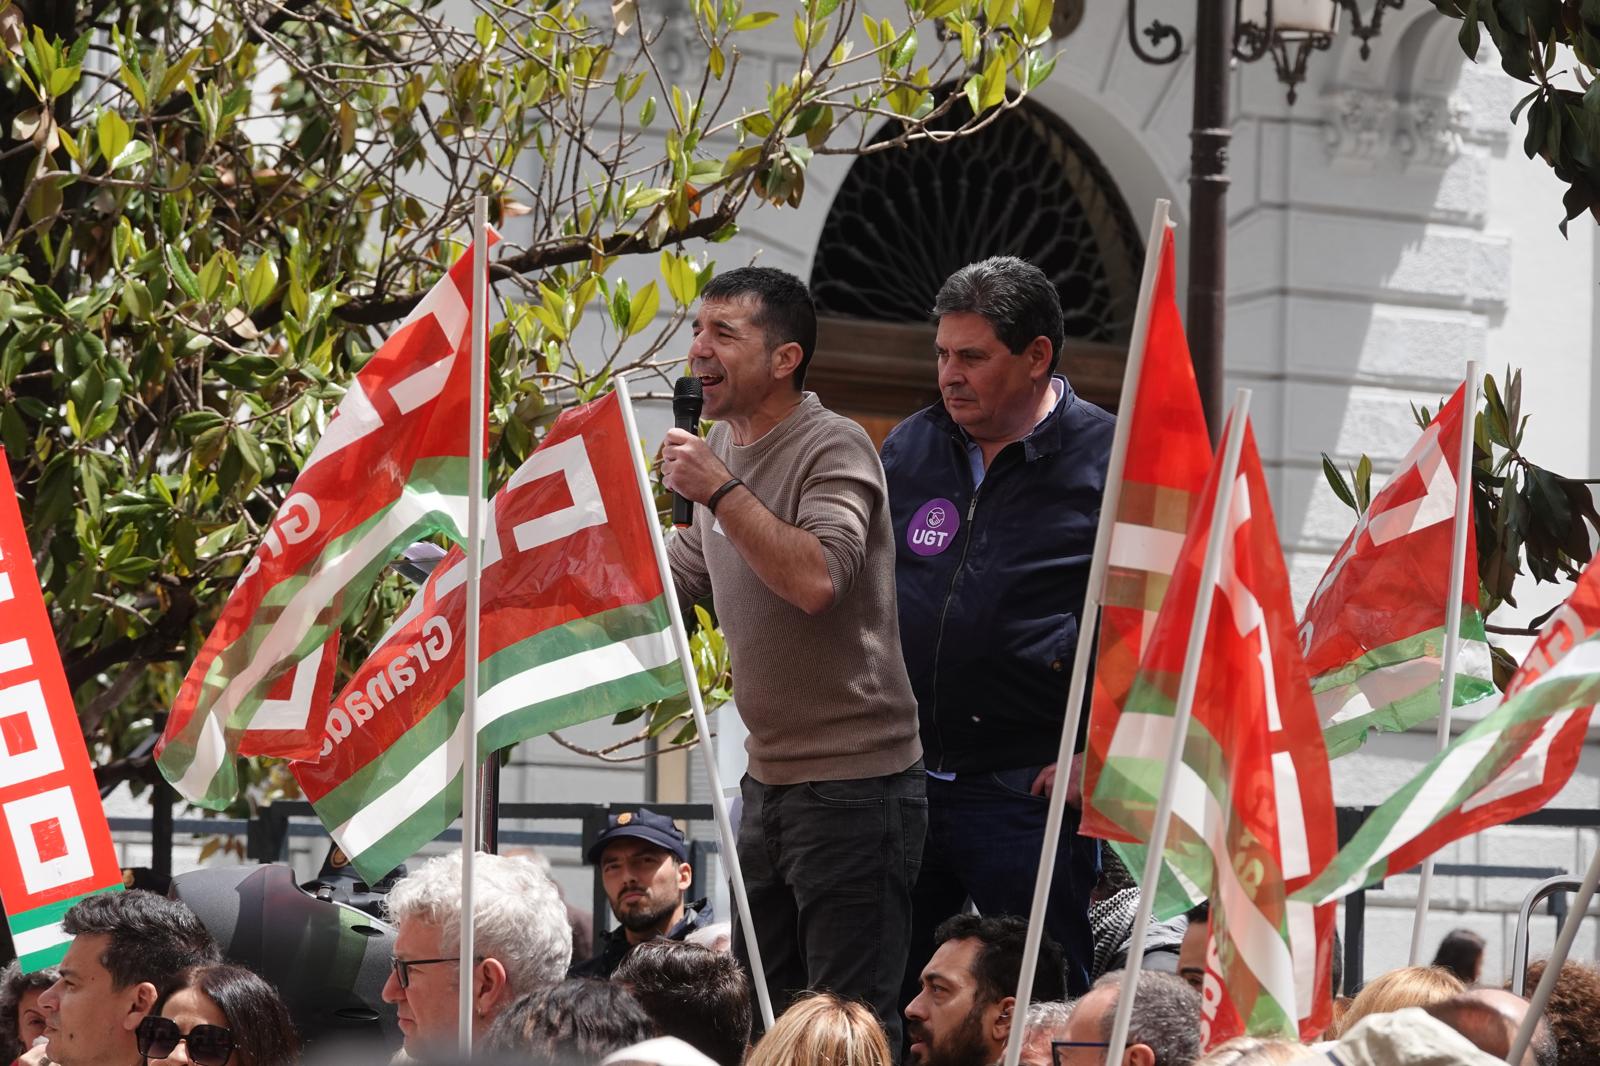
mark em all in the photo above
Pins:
pixel 209 1045
pixel 1057 1045
pixel 402 967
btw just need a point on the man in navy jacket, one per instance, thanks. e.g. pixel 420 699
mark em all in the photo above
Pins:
pixel 995 495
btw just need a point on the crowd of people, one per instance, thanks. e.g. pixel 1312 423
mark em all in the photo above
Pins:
pixel 144 982
pixel 901 628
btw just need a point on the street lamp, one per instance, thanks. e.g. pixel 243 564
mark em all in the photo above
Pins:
pixel 1290 30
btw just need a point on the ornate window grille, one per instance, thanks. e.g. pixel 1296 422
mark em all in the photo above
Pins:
pixel 1027 186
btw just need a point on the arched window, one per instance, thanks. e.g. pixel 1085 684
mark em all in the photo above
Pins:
pixel 905 219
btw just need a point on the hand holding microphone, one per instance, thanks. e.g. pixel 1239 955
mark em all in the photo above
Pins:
pixel 687 400
pixel 688 467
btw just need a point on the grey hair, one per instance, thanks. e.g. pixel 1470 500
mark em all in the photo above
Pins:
pixel 1047 1020
pixel 1013 295
pixel 519 918
pixel 1166 1015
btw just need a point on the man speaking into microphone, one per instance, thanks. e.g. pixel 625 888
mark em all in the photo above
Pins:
pixel 792 534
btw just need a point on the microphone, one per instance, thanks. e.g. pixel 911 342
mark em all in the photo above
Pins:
pixel 687 400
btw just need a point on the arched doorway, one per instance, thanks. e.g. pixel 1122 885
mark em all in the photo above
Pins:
pixel 905 219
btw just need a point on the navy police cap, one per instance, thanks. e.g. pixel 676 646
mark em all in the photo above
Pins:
pixel 645 825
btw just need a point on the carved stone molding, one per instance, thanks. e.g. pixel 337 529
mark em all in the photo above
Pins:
pixel 1428 132
pixel 1358 129
pixel 1363 126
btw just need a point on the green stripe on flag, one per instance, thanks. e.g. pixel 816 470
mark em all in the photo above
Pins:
pixel 397 802
pixel 1408 705
pixel 430 477
pixel 1471 761
pixel 37 935
pixel 428 734
pixel 433 814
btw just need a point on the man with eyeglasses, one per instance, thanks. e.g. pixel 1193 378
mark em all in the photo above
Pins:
pixel 125 946
pixel 964 1012
pixel 521 942
pixel 1164 1031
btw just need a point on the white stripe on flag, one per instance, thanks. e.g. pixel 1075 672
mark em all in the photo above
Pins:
pixel 1294 854
pixel 1302 922
pixel 385 812
pixel 1258 941
pixel 1433 799
pixel 1144 548
pixel 353 419
pixel 297 617
pixel 1140 735
pixel 1379 688
pixel 426 384
pixel 41 938
pixel 1526 770
pixel 5 586
pixel 1194 804
pixel 294 710
pixel 445 303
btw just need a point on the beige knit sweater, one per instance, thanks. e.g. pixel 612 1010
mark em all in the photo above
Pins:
pixel 825 697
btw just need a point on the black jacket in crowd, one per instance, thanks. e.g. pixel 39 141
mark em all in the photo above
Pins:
pixel 988 626
pixel 615 946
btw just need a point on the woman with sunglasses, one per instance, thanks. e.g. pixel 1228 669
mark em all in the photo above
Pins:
pixel 218 1015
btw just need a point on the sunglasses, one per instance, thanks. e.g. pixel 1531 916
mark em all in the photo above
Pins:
pixel 208 1045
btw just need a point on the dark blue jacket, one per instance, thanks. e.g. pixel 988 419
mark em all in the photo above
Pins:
pixel 991 582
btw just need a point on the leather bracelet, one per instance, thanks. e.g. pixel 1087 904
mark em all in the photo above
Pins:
pixel 716 497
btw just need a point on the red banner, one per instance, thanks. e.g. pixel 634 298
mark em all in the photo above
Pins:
pixel 56 844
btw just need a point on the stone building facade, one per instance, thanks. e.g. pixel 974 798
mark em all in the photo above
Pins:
pixel 1383 230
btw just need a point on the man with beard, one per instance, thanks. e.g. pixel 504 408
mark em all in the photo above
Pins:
pixel 963 1014
pixel 644 864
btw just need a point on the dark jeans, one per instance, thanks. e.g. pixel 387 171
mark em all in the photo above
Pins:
pixel 829 866
pixel 984 835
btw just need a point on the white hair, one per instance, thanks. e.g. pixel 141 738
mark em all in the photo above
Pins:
pixel 1047 1020
pixel 518 917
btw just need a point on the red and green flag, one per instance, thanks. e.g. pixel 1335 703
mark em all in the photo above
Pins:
pixel 55 843
pixel 1167 460
pixel 1253 816
pixel 1510 762
pixel 1373 632
pixel 574 626
pixel 390 469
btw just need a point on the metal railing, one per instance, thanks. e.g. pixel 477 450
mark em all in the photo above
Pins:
pixel 268 833
pixel 1355 904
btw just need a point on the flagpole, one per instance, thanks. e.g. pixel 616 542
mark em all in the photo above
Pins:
pixel 1181 712
pixel 1087 620
pixel 1576 913
pixel 474 554
pixel 1452 625
pixel 680 638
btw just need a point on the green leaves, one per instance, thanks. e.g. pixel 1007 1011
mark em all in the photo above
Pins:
pixel 225 241
pixel 262 281
pixel 112 133
pixel 1531 37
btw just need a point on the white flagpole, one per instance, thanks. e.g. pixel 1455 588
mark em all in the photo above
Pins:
pixel 1576 913
pixel 1181 713
pixel 680 638
pixel 1087 620
pixel 474 553
pixel 1452 626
